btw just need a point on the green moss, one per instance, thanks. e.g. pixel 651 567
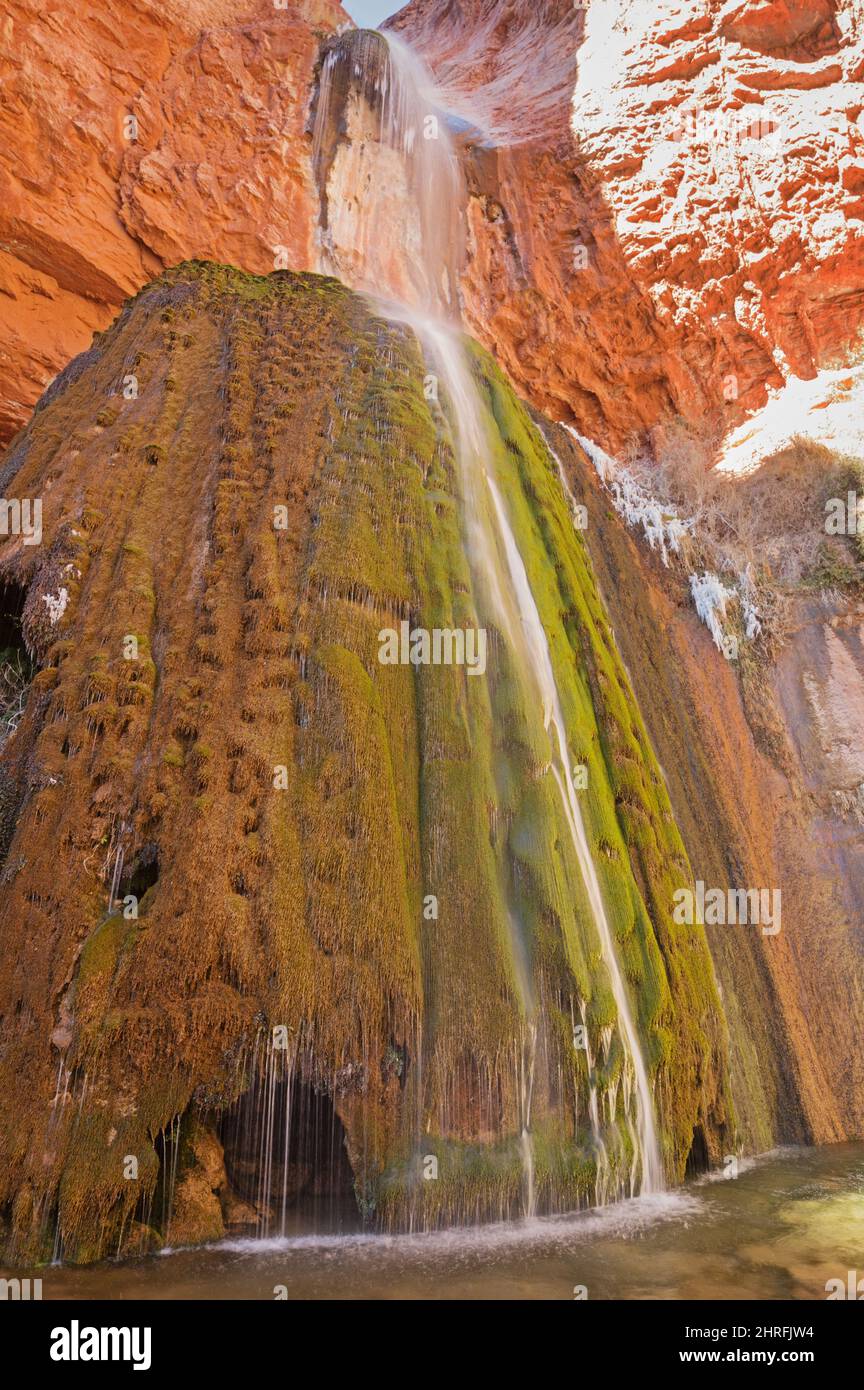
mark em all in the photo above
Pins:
pixel 641 858
pixel 259 648
pixel 101 952
pixel 835 568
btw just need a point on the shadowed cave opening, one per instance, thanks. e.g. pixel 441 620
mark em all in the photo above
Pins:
pixel 697 1159
pixel 286 1156
pixel 141 874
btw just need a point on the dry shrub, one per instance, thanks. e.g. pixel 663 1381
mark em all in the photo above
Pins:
pixel 15 677
pixel 769 523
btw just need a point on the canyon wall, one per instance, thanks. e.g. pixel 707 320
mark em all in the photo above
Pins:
pixel 665 212
pixel 762 759
pixel 135 135
pixel 666 199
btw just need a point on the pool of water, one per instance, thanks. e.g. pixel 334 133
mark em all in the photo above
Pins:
pixel 789 1222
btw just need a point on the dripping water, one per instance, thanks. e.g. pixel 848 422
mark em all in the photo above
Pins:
pixel 284 1144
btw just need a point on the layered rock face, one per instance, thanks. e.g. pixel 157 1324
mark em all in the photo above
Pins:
pixel 134 135
pixel 259 883
pixel 666 202
pixel 666 210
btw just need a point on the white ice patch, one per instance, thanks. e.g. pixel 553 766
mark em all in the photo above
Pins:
pixel 662 527
pixel 749 612
pixel 56 605
pixel 711 596
pixel 664 530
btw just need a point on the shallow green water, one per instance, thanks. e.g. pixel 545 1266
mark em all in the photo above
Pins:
pixel 787 1224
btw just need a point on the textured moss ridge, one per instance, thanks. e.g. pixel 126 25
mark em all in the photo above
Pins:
pixel 637 848
pixel 258 648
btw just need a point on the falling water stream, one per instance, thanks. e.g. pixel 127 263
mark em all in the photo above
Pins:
pixel 410 267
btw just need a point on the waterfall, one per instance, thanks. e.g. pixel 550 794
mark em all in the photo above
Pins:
pixel 541 666
pixel 408 258
pixel 391 194
pixel 526 1089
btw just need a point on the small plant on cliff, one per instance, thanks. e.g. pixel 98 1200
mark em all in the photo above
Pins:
pixel 15 677
pixel 768 525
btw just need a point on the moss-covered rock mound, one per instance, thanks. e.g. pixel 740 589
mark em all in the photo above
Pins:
pixel 258 888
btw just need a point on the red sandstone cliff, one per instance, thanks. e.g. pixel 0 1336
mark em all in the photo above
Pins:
pixel 666 201
pixel 708 156
pixel 92 207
